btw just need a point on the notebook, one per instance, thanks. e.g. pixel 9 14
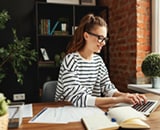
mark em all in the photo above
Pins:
pixel 134 117
pixel 116 117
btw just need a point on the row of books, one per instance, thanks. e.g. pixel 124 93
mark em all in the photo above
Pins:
pixel 46 28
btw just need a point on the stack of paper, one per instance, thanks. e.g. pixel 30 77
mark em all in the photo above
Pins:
pixel 64 114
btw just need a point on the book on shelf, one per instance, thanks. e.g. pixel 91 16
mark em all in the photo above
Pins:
pixel 124 117
pixel 45 26
pixel 54 27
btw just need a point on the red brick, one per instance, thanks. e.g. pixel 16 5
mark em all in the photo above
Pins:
pixel 129 39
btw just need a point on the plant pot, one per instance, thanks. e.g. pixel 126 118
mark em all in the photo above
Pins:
pixel 4 122
pixel 155 82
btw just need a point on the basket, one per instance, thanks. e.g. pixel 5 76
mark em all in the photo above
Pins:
pixel 4 122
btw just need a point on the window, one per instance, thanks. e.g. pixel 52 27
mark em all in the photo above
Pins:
pixel 156 26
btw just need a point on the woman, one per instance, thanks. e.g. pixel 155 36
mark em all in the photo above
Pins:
pixel 83 77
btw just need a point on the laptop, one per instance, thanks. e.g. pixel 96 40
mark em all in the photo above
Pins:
pixel 146 108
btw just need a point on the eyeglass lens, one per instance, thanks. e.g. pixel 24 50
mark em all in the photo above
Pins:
pixel 100 38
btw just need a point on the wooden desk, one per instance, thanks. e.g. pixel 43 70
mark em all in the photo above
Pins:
pixel 153 119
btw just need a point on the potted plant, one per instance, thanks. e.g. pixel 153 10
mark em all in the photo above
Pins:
pixel 3 112
pixel 17 56
pixel 151 68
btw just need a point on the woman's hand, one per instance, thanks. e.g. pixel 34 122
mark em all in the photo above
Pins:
pixel 120 97
pixel 134 98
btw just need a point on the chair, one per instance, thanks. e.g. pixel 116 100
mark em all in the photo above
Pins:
pixel 49 90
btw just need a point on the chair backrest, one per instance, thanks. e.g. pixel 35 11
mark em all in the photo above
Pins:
pixel 49 90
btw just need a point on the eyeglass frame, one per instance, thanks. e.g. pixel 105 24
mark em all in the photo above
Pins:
pixel 99 37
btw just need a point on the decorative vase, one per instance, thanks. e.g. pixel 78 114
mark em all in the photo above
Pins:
pixel 4 122
pixel 155 82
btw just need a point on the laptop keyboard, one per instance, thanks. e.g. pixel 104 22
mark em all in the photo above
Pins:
pixel 146 108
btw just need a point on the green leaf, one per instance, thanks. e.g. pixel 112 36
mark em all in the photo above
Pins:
pixel 18 54
pixel 151 65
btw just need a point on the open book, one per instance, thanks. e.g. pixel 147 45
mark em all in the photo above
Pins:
pixel 124 117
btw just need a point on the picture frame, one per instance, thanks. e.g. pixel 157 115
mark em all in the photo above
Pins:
pixel 44 54
pixel 88 2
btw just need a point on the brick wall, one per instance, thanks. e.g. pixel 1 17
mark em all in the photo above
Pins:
pixel 129 32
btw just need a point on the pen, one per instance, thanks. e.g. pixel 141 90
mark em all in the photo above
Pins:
pixel 112 119
pixel 43 110
pixel 106 113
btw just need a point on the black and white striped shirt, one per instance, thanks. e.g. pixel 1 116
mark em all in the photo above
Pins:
pixel 81 81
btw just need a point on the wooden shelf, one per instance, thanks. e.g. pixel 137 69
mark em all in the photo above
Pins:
pixel 50 64
pixel 53 15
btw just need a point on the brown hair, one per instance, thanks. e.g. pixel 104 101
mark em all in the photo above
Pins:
pixel 87 23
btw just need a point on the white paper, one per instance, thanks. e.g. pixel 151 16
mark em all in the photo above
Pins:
pixel 124 113
pixel 64 114
pixel 26 111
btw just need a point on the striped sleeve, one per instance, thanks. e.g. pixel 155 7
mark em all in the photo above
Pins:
pixel 108 88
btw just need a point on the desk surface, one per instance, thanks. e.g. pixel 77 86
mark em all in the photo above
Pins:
pixel 153 120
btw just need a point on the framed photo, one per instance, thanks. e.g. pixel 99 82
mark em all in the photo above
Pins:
pixel 88 2
pixel 44 54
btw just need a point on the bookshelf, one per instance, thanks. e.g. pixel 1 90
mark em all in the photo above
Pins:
pixel 49 34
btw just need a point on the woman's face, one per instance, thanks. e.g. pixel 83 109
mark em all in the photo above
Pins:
pixel 95 39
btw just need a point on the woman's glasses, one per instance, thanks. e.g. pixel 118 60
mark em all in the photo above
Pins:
pixel 100 37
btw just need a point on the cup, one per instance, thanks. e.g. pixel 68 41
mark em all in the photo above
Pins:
pixel 63 27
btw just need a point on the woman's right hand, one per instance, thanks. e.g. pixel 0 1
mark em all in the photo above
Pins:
pixel 133 98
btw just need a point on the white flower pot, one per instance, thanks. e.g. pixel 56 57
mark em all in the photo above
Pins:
pixel 155 82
